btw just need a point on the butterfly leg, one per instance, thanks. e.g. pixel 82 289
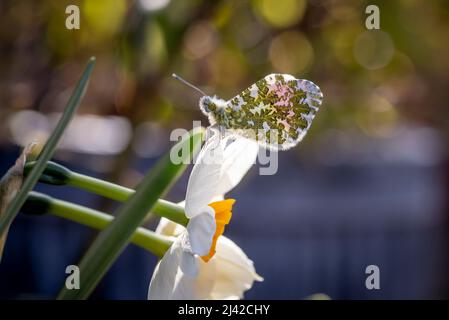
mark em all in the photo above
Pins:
pixel 222 131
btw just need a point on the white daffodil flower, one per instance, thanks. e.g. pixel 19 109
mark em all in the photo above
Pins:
pixel 220 166
pixel 227 275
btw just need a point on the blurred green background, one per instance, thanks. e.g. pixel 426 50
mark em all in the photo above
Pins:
pixel 372 80
pixel 385 114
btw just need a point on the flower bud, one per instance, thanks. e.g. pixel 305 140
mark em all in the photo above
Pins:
pixel 54 173
pixel 36 204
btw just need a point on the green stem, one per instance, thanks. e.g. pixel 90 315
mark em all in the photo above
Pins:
pixel 144 238
pixel 163 208
pixel 100 187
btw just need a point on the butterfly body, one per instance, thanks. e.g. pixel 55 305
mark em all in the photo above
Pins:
pixel 276 111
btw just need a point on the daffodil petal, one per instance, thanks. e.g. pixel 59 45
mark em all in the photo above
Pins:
pixel 196 288
pixel 201 229
pixel 239 156
pixel 165 275
pixel 189 264
pixel 169 228
pixel 169 281
pixel 205 177
pixel 217 198
pixel 235 272
pixel 228 250
pixel 184 288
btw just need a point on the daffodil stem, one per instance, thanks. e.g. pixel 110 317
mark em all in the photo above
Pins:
pixel 100 187
pixel 144 238
pixel 163 208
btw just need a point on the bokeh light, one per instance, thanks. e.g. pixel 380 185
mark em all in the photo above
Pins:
pixel 378 118
pixel 227 67
pixel 291 52
pixel 103 18
pixel 373 49
pixel 153 5
pixel 281 14
pixel 200 40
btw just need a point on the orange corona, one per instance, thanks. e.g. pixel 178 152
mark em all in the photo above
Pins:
pixel 223 214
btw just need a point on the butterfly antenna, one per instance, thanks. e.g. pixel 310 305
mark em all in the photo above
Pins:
pixel 188 84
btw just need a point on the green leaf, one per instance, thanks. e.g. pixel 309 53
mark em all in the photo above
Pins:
pixel 48 150
pixel 111 242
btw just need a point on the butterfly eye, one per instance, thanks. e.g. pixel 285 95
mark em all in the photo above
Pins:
pixel 207 104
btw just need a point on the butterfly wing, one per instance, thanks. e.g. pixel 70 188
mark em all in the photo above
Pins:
pixel 276 111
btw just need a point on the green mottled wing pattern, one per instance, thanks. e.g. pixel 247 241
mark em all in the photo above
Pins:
pixel 276 111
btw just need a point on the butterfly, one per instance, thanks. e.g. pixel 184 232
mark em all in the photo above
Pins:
pixel 276 111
